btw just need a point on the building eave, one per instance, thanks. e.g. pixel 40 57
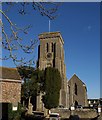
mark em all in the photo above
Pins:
pixel 10 80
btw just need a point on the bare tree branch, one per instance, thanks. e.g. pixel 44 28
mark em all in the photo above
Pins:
pixel 14 42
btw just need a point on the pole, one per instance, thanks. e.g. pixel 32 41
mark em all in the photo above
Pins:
pixel 49 25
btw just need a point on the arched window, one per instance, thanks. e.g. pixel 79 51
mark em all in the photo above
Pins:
pixel 76 103
pixel 75 89
pixel 69 89
pixel 47 47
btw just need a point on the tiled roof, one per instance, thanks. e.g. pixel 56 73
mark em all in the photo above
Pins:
pixel 9 73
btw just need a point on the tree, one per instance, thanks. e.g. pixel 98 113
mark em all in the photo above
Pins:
pixel 33 82
pixel 25 72
pixel 47 81
pixel 12 41
pixel 52 88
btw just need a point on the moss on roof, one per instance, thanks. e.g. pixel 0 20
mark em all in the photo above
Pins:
pixel 9 73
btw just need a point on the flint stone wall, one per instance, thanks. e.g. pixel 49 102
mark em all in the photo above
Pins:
pixel 10 91
pixel 86 114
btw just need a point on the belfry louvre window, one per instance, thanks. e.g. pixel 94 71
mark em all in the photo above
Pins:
pixel 47 47
pixel 54 50
pixel 52 46
pixel 76 89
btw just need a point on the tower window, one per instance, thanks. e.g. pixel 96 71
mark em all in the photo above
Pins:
pixel 69 89
pixel 54 50
pixel 38 51
pixel 54 63
pixel 75 89
pixel 47 47
pixel 52 46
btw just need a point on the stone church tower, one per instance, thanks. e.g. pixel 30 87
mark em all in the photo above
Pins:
pixel 51 53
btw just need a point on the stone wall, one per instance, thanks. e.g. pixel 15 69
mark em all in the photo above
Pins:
pixel 80 96
pixel 11 91
pixel 64 113
pixel 86 114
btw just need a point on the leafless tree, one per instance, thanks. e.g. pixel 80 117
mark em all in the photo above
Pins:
pixel 13 42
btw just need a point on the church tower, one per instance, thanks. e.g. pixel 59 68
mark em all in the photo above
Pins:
pixel 51 54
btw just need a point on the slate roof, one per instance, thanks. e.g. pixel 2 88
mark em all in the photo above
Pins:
pixel 9 73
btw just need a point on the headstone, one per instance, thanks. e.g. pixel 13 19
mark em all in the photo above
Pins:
pixel 99 109
pixel 30 107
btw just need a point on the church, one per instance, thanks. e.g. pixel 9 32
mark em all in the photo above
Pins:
pixel 51 54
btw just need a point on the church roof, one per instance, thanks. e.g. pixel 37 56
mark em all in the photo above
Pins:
pixel 9 73
pixel 75 76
